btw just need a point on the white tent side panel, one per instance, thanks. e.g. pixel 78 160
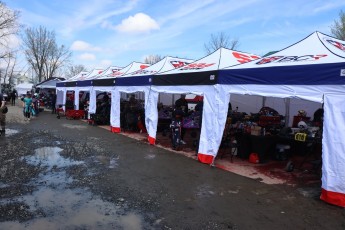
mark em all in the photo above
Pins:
pixel 333 150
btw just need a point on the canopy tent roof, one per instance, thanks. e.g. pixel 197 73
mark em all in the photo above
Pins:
pixel 134 66
pixel 143 76
pixel 204 70
pixel 110 70
pixel 49 83
pixel 80 75
pixel 92 74
pixel 316 60
pixel 108 80
pixel 166 64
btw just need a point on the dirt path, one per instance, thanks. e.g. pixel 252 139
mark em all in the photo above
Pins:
pixel 65 174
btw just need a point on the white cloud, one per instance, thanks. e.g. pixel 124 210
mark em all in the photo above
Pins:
pixel 87 57
pixel 105 63
pixel 83 46
pixel 139 23
pixel 91 13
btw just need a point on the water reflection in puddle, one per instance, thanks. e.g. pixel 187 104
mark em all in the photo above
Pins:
pixel 50 157
pixel 10 132
pixel 2 185
pixel 80 127
pixel 74 209
pixel 150 156
pixel 204 191
pixel 66 208
pixel 309 192
pixel 111 162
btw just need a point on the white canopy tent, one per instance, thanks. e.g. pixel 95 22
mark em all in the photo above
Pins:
pixel 139 81
pixel 312 69
pixel 198 78
pixel 61 87
pixel 106 84
pixel 49 83
pixel 23 88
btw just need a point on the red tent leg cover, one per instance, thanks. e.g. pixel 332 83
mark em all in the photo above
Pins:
pixel 115 129
pixel 151 140
pixel 335 198
pixel 206 159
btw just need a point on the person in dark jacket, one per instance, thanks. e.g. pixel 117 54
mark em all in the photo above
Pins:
pixel 2 114
pixel 182 103
pixel 13 97
pixel 53 101
pixel 180 111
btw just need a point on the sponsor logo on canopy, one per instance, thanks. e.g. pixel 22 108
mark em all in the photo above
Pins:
pixel 115 70
pixel 143 66
pixel 243 58
pixel 337 44
pixel 342 72
pixel 144 71
pixel 178 64
pixel 285 59
pixel 117 73
pixel 196 66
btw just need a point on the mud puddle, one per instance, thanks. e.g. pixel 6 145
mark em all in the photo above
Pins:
pixel 55 204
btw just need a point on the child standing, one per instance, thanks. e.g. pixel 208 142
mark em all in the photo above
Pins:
pixel 27 105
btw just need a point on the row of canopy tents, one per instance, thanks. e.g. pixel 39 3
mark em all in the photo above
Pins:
pixel 312 69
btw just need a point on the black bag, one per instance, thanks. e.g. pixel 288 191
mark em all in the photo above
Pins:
pixel 4 109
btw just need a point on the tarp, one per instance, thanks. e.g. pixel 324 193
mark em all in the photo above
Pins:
pixel 311 69
pixel 23 88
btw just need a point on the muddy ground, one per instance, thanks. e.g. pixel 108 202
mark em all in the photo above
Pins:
pixel 66 174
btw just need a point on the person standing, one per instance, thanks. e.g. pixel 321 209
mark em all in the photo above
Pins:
pixel 53 101
pixel 13 97
pixel 36 106
pixel 182 103
pixel 181 111
pixel 2 114
pixel 28 106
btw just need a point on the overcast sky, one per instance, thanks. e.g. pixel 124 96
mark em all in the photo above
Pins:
pixel 102 33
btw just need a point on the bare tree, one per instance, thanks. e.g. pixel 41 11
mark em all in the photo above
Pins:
pixel 152 59
pixel 338 29
pixel 220 40
pixel 10 61
pixel 57 57
pixel 42 52
pixel 8 26
pixel 73 70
